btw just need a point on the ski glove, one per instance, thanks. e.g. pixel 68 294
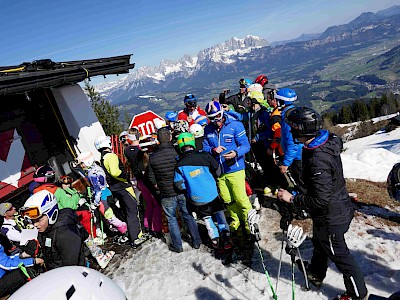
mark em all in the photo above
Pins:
pixel 295 236
pixel 253 218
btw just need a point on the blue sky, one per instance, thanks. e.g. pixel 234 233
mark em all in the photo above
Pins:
pixel 156 30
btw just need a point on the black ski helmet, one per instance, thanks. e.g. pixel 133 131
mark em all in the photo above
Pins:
pixel 44 174
pixel 304 122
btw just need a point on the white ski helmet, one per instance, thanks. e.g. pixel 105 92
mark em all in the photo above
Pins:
pixel 159 123
pixel 197 130
pixel 70 282
pixel 102 141
pixel 86 158
pixel 39 204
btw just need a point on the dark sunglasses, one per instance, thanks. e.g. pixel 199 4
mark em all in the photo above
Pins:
pixel 66 179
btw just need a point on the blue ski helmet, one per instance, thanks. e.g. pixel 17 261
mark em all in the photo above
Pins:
pixel 190 100
pixel 214 111
pixel 286 95
pixel 171 116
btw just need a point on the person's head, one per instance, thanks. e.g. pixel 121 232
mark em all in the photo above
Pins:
pixel 286 96
pixel 305 123
pixel 215 113
pixel 190 102
pixel 181 126
pixel 197 130
pixel 255 105
pixel 164 135
pixel 44 174
pixel 103 142
pixel 272 101
pixel 7 210
pixel 186 142
pixel 158 123
pixel 261 79
pixel 65 181
pixel 41 209
pixel 201 120
pixel 131 137
pixel 85 160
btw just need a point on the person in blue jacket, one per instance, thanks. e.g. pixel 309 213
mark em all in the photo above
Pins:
pixel 226 140
pixel 291 148
pixel 11 275
pixel 195 174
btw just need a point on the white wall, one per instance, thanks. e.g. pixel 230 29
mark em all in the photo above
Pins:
pixel 79 117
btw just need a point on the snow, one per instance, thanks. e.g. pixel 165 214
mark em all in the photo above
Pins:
pixel 154 272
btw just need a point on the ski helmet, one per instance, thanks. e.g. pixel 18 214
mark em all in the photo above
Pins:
pixel 181 126
pixel 122 136
pixel 102 142
pixel 44 174
pixel 393 182
pixel 214 111
pixel 186 139
pixel 286 96
pixel 254 91
pixel 159 123
pixel 71 282
pixel 190 100
pixel 200 119
pixel 197 130
pixel 245 81
pixel 171 116
pixel 261 79
pixel 39 204
pixel 86 158
pixel 304 122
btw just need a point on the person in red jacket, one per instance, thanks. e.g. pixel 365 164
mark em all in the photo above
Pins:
pixel 191 110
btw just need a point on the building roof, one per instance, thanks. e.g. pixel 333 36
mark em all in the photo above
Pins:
pixel 46 74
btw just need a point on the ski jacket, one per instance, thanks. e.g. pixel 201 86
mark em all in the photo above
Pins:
pixel 114 169
pixel 98 181
pixel 9 263
pixel 190 117
pixel 135 159
pixel 291 147
pixel 62 242
pixel 233 137
pixel 64 199
pixel 326 197
pixel 237 100
pixel 261 122
pixel 162 164
pixel 195 173
pixel 276 120
pixel 11 230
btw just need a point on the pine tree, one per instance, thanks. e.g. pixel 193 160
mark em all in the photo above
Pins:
pixel 107 114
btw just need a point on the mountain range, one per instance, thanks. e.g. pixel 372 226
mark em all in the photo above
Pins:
pixel 371 40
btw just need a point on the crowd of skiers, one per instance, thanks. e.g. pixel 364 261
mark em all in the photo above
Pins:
pixel 206 169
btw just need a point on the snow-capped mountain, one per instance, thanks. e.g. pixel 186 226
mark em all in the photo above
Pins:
pixel 163 75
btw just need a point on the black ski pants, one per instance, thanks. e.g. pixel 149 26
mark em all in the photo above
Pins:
pixel 11 282
pixel 132 214
pixel 329 242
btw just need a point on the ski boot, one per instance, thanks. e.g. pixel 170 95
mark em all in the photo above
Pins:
pixel 317 282
pixel 104 258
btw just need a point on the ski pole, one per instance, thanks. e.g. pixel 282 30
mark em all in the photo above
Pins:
pixel 304 269
pixel 280 261
pixel 24 271
pixel 266 272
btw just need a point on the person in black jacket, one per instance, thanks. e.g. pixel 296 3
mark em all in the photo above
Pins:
pixel 61 240
pixel 326 199
pixel 162 164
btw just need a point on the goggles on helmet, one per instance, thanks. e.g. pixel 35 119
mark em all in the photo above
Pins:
pixel 191 103
pixel 216 117
pixel 30 212
pixel 66 179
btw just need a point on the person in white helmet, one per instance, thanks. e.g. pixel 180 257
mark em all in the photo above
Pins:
pixel 121 189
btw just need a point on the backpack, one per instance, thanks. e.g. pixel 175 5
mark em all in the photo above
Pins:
pixel 393 182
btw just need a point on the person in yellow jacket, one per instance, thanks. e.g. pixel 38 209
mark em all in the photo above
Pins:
pixel 121 188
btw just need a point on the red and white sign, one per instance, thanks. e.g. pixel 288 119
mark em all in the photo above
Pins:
pixel 15 168
pixel 144 122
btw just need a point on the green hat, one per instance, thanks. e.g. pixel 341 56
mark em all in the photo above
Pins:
pixel 186 139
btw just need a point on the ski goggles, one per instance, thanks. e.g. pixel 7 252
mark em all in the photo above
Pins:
pixel 66 179
pixel 217 117
pixel 30 212
pixel 191 103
